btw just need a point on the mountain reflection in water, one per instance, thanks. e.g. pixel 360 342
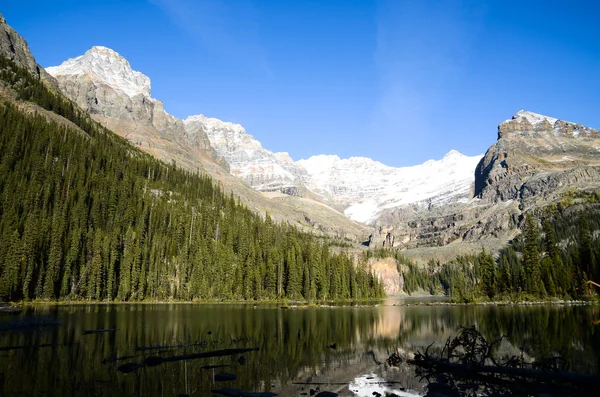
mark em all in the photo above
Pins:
pixel 299 350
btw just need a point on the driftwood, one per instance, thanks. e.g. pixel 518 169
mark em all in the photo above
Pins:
pixel 9 348
pixel 231 392
pixel 9 309
pixel 98 331
pixel 224 377
pixel 155 360
pixel 466 363
pixel 561 376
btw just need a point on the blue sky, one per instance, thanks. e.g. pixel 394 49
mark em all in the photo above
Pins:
pixel 398 81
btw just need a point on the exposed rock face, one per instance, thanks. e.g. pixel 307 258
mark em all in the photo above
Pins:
pixel 260 168
pixel 534 145
pixel 535 160
pixel 13 46
pixel 387 271
pixel 102 83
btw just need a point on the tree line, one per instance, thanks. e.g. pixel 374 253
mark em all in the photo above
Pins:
pixel 554 256
pixel 89 216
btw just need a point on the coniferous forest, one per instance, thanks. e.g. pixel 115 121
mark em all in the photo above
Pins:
pixel 555 256
pixel 85 215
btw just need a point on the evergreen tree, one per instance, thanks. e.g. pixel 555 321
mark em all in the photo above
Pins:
pixel 531 258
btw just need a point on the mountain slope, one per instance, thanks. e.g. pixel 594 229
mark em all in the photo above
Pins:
pixel 103 83
pixel 260 168
pixel 86 215
pixel 536 161
pixel 537 155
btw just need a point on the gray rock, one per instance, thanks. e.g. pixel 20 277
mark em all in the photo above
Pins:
pixel 13 46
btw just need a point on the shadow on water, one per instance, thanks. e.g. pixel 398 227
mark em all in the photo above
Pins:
pixel 178 349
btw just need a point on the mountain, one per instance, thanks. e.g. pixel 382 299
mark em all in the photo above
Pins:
pixel 536 161
pixel 103 83
pixel 457 201
pixel 538 157
pixel 87 215
pixel 365 188
pixel 248 160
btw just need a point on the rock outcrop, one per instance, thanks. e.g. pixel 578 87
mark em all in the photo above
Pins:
pixel 258 167
pixel 535 155
pixel 14 47
pixel 535 160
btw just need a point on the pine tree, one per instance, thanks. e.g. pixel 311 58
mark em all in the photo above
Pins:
pixel 531 258
pixel 488 274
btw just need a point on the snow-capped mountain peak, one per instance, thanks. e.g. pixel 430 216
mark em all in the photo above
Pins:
pixel 260 168
pixel 212 123
pixel 367 187
pixel 105 66
pixel 533 118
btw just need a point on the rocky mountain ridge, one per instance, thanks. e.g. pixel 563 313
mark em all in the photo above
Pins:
pixel 103 83
pixel 366 188
pixel 535 160
pixel 248 160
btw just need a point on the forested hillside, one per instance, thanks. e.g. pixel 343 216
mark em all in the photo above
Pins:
pixel 85 215
pixel 555 256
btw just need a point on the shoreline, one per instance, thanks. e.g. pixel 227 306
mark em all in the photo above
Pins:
pixel 506 303
pixel 284 303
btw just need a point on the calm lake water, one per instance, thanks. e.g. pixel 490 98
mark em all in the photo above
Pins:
pixel 44 351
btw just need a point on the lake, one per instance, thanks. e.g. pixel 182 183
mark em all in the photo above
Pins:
pixel 45 350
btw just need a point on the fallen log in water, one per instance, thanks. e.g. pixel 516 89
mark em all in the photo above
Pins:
pixel 231 392
pixel 10 309
pixel 466 363
pixel 9 348
pixel 155 360
pixel 98 331
pixel 465 370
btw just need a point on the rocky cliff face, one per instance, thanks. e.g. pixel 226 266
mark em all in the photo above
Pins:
pixel 103 83
pixel 260 168
pixel 13 46
pixel 534 155
pixel 535 160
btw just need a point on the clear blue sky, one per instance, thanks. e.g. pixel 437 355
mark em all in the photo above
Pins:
pixel 398 81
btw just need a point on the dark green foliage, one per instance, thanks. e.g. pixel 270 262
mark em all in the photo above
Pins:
pixel 488 273
pixel 532 258
pixel 554 263
pixel 90 216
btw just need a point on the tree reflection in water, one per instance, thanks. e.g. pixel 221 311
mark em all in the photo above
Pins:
pixel 294 346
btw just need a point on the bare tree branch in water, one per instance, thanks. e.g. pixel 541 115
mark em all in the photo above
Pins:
pixel 466 366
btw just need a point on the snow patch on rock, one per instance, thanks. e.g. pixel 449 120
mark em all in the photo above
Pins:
pixel 105 66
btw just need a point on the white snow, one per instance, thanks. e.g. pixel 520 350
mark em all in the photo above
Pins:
pixel 363 186
pixel 367 187
pixel 533 118
pixel 248 160
pixel 105 66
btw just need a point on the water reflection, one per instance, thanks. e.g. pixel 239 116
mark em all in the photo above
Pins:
pixel 299 349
